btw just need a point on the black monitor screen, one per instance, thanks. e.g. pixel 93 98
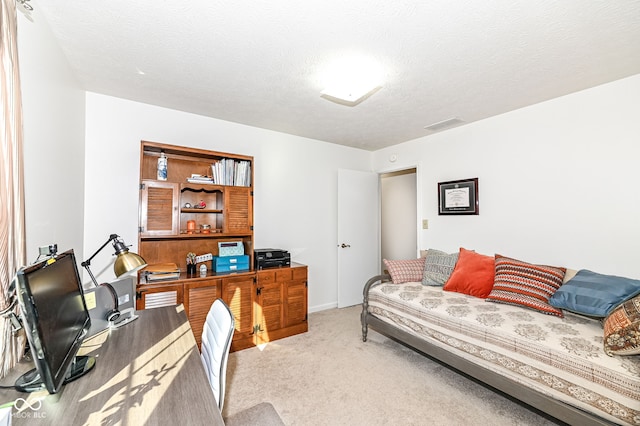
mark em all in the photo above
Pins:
pixel 55 315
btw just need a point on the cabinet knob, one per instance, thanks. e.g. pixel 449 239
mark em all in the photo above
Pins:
pixel 343 245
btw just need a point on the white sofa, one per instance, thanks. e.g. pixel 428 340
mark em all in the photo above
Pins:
pixel 554 364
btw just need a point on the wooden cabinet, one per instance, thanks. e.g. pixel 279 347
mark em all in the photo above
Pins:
pixel 281 302
pixel 266 307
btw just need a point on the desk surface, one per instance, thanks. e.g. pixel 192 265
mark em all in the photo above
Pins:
pixel 147 373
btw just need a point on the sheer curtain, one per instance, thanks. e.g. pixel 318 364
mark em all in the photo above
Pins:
pixel 12 233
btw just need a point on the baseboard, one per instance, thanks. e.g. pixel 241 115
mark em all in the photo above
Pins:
pixel 324 307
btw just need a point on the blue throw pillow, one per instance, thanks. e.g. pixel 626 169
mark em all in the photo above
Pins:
pixel 593 294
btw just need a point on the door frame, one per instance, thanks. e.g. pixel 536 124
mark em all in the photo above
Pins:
pixel 419 198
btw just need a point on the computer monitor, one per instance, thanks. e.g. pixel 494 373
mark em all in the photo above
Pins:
pixel 56 321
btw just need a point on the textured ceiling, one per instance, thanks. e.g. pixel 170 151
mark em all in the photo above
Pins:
pixel 261 63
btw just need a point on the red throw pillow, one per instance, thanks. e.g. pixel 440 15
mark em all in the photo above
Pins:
pixel 473 275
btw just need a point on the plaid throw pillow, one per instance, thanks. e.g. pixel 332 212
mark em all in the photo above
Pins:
pixel 405 271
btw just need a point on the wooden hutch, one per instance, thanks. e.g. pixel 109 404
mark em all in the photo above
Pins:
pixel 268 304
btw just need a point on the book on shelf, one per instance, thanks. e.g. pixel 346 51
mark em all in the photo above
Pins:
pixel 231 172
pixel 200 179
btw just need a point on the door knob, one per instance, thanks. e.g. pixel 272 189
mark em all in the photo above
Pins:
pixel 343 245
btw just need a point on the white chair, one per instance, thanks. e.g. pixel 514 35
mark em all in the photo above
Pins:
pixel 216 342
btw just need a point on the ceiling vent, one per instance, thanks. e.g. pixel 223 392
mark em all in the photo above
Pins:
pixel 444 124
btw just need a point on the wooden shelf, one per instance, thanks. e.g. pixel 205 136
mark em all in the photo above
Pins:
pixel 215 235
pixel 192 210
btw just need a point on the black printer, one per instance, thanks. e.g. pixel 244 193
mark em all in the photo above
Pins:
pixel 271 258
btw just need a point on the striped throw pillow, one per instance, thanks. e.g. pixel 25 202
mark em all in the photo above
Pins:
pixel 438 267
pixel 525 284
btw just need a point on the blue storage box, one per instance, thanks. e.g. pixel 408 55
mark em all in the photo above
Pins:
pixel 230 263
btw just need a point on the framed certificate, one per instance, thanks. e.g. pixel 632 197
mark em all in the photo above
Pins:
pixel 458 197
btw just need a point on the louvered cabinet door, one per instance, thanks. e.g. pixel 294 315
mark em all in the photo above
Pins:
pixel 269 312
pixel 159 213
pixel 238 292
pixel 295 311
pixel 238 209
pixel 198 297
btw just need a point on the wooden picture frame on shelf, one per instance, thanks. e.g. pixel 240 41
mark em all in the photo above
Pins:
pixel 458 197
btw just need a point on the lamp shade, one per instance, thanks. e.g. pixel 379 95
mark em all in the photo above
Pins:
pixel 127 262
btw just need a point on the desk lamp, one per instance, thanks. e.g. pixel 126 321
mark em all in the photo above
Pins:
pixel 126 262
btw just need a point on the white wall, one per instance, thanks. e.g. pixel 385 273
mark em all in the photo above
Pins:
pixel 53 105
pixel 295 182
pixel 557 181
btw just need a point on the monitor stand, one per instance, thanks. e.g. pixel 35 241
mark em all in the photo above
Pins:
pixel 32 382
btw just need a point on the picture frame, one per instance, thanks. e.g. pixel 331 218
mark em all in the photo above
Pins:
pixel 458 197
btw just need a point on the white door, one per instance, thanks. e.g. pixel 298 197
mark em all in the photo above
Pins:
pixel 358 233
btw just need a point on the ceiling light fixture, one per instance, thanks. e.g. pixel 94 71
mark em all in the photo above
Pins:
pixel 352 80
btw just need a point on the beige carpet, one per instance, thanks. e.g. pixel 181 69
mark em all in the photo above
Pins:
pixel 328 376
pixel 262 414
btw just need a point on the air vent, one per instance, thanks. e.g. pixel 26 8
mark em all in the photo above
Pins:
pixel 444 124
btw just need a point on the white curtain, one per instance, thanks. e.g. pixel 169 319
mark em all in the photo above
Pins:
pixel 12 232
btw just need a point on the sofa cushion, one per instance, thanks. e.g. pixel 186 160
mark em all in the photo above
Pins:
pixel 593 294
pixel 438 266
pixel 472 275
pixel 405 271
pixel 622 329
pixel 526 284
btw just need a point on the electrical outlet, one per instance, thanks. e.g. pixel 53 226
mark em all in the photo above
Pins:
pixel 204 257
pixel 425 224
pixel 49 250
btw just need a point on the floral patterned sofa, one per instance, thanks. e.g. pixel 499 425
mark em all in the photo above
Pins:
pixel 494 319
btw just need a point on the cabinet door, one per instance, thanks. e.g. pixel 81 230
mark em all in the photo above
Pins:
pixel 157 296
pixel 295 303
pixel 269 307
pixel 295 310
pixel 198 298
pixel 238 293
pixel 238 209
pixel 159 208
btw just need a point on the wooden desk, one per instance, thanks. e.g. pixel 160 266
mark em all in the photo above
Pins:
pixel 148 372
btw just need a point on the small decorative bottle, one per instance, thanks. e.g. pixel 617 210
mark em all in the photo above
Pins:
pixel 162 167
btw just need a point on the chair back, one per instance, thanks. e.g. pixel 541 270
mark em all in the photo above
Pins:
pixel 216 342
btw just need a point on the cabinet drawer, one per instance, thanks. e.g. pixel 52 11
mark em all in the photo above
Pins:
pixel 299 273
pixel 266 277
pixel 283 274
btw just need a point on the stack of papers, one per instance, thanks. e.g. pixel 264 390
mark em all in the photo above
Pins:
pixel 200 179
pixel 161 271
